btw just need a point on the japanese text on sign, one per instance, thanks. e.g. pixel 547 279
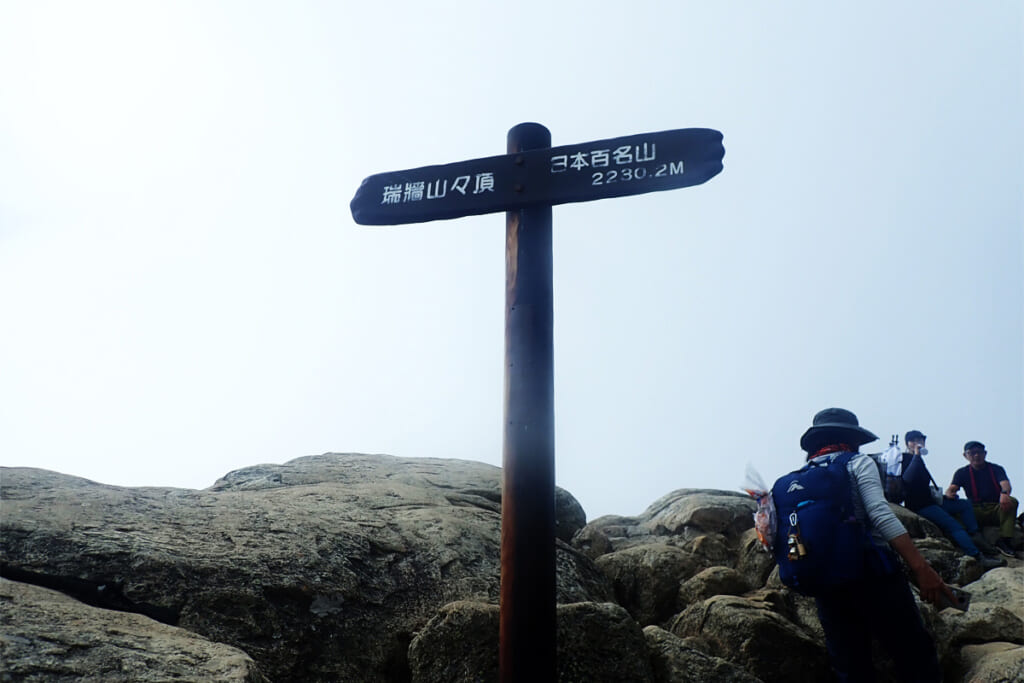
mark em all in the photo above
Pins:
pixel 619 164
pixel 600 158
pixel 601 169
pixel 438 188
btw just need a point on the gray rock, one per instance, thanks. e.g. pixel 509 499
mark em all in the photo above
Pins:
pixel 675 661
pixel 1001 586
pixel 753 561
pixel 578 577
pixel 677 518
pixel 569 515
pixel 713 549
pixel 600 643
pixel 710 582
pixel 470 483
pixel 47 636
pixel 706 510
pixel 951 564
pixel 646 578
pixel 592 541
pixel 320 569
pixel 803 611
pixel 981 623
pixel 751 634
pixel 990 663
pixel 459 644
pixel 596 642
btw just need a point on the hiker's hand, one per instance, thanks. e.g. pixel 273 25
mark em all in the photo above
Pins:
pixel 1005 502
pixel 928 582
pixel 932 586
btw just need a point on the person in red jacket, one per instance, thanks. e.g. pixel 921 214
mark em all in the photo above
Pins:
pixel 988 488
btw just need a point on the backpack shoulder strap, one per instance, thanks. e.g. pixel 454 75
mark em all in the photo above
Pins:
pixel 844 458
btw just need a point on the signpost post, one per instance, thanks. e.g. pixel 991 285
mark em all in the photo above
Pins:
pixel 525 183
pixel 528 460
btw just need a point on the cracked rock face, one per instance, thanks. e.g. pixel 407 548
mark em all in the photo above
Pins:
pixel 57 638
pixel 319 569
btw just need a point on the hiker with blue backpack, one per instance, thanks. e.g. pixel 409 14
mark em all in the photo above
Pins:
pixel 922 495
pixel 834 540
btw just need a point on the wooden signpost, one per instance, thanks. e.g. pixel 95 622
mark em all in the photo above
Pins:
pixel 525 183
pixel 530 176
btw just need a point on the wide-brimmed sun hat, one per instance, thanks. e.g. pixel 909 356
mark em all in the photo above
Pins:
pixel 835 425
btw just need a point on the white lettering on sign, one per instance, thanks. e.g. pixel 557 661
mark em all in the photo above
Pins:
pixel 625 163
pixel 484 183
pixel 413 192
pixel 601 158
pixel 622 175
pixel 642 154
pixel 437 188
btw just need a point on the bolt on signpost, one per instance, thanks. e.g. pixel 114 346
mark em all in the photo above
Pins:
pixel 525 183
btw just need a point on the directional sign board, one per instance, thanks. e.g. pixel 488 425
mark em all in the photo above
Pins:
pixel 635 164
pixel 525 183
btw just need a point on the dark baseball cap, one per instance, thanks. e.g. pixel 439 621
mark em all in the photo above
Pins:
pixel 974 445
pixel 914 435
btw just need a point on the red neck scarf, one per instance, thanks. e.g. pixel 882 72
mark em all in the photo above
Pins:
pixel 834 448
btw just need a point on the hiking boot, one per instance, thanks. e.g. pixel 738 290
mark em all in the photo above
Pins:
pixel 1003 546
pixel 990 562
pixel 983 545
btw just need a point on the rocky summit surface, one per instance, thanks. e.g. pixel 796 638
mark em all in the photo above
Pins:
pixel 352 567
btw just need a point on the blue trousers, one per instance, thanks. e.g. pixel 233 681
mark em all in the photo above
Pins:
pixel 942 517
pixel 882 607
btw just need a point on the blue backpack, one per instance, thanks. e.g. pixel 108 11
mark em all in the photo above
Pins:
pixel 819 544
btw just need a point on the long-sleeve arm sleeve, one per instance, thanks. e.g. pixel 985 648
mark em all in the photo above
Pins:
pixel 865 476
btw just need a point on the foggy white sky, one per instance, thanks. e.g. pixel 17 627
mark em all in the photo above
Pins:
pixel 183 291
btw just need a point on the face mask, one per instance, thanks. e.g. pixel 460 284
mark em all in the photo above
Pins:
pixel 923 451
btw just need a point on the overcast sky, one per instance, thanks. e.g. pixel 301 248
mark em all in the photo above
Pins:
pixel 183 291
